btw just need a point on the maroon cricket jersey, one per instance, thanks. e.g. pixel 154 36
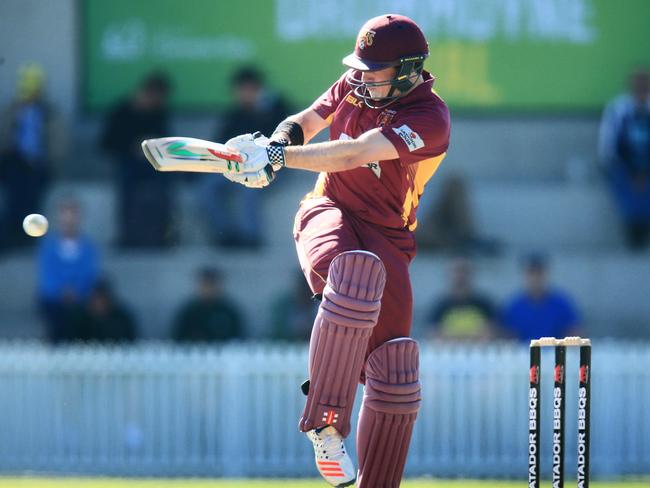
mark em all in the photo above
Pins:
pixel 386 193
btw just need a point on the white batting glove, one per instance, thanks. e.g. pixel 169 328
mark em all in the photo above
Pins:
pixel 244 140
pixel 258 152
pixel 259 179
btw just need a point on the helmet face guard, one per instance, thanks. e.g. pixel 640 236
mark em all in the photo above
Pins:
pixel 408 71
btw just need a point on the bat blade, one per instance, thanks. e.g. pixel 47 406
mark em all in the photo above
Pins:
pixel 191 155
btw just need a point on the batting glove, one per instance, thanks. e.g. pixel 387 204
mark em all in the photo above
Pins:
pixel 259 179
pixel 258 152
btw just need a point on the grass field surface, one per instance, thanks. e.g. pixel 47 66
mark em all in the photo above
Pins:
pixel 32 482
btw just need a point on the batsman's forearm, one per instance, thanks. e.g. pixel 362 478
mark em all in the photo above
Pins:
pixel 330 156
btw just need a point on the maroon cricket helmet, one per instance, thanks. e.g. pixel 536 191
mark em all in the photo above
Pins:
pixel 390 40
pixel 387 40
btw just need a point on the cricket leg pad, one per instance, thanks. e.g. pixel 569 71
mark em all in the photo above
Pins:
pixel 343 325
pixel 390 405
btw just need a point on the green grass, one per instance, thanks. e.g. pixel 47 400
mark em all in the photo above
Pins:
pixel 32 482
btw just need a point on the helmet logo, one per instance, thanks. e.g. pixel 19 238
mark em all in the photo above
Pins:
pixel 366 38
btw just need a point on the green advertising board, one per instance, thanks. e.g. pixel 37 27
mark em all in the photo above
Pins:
pixel 512 55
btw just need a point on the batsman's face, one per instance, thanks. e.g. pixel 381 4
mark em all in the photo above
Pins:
pixel 380 76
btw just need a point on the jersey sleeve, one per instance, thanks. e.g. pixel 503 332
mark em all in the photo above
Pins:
pixel 419 135
pixel 327 103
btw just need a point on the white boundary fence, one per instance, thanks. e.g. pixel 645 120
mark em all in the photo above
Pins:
pixel 232 411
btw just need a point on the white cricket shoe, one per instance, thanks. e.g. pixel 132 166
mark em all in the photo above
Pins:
pixel 332 459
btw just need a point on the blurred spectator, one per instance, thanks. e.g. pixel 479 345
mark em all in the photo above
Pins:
pixel 449 226
pixel 103 318
pixel 145 197
pixel 463 313
pixel 30 143
pixel 255 109
pixel 624 148
pixel 68 264
pixel 293 313
pixel 540 310
pixel 209 316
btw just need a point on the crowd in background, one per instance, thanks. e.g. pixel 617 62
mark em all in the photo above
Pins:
pixel 77 302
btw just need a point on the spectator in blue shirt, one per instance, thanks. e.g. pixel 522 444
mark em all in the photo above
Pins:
pixel 68 265
pixel 624 148
pixel 540 310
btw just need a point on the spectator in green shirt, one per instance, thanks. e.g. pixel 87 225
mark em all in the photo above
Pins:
pixel 104 318
pixel 209 316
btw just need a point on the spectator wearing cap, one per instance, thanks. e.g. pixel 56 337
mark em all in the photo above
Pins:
pixel 463 313
pixel 103 318
pixel 448 225
pixel 624 148
pixel 31 143
pixel 539 310
pixel 208 316
pixel 145 202
pixel 68 264
pixel 254 108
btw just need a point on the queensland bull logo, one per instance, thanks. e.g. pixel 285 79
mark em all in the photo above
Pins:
pixel 366 38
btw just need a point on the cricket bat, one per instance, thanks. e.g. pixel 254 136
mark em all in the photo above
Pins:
pixel 192 155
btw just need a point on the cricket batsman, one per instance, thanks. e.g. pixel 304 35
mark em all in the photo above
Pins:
pixel 354 233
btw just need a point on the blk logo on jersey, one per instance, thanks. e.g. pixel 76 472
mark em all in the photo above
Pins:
pixel 354 101
pixel 410 137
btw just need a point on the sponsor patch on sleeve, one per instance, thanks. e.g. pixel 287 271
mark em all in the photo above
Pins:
pixel 410 137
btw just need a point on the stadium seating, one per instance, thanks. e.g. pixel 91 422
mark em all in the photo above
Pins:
pixel 575 224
